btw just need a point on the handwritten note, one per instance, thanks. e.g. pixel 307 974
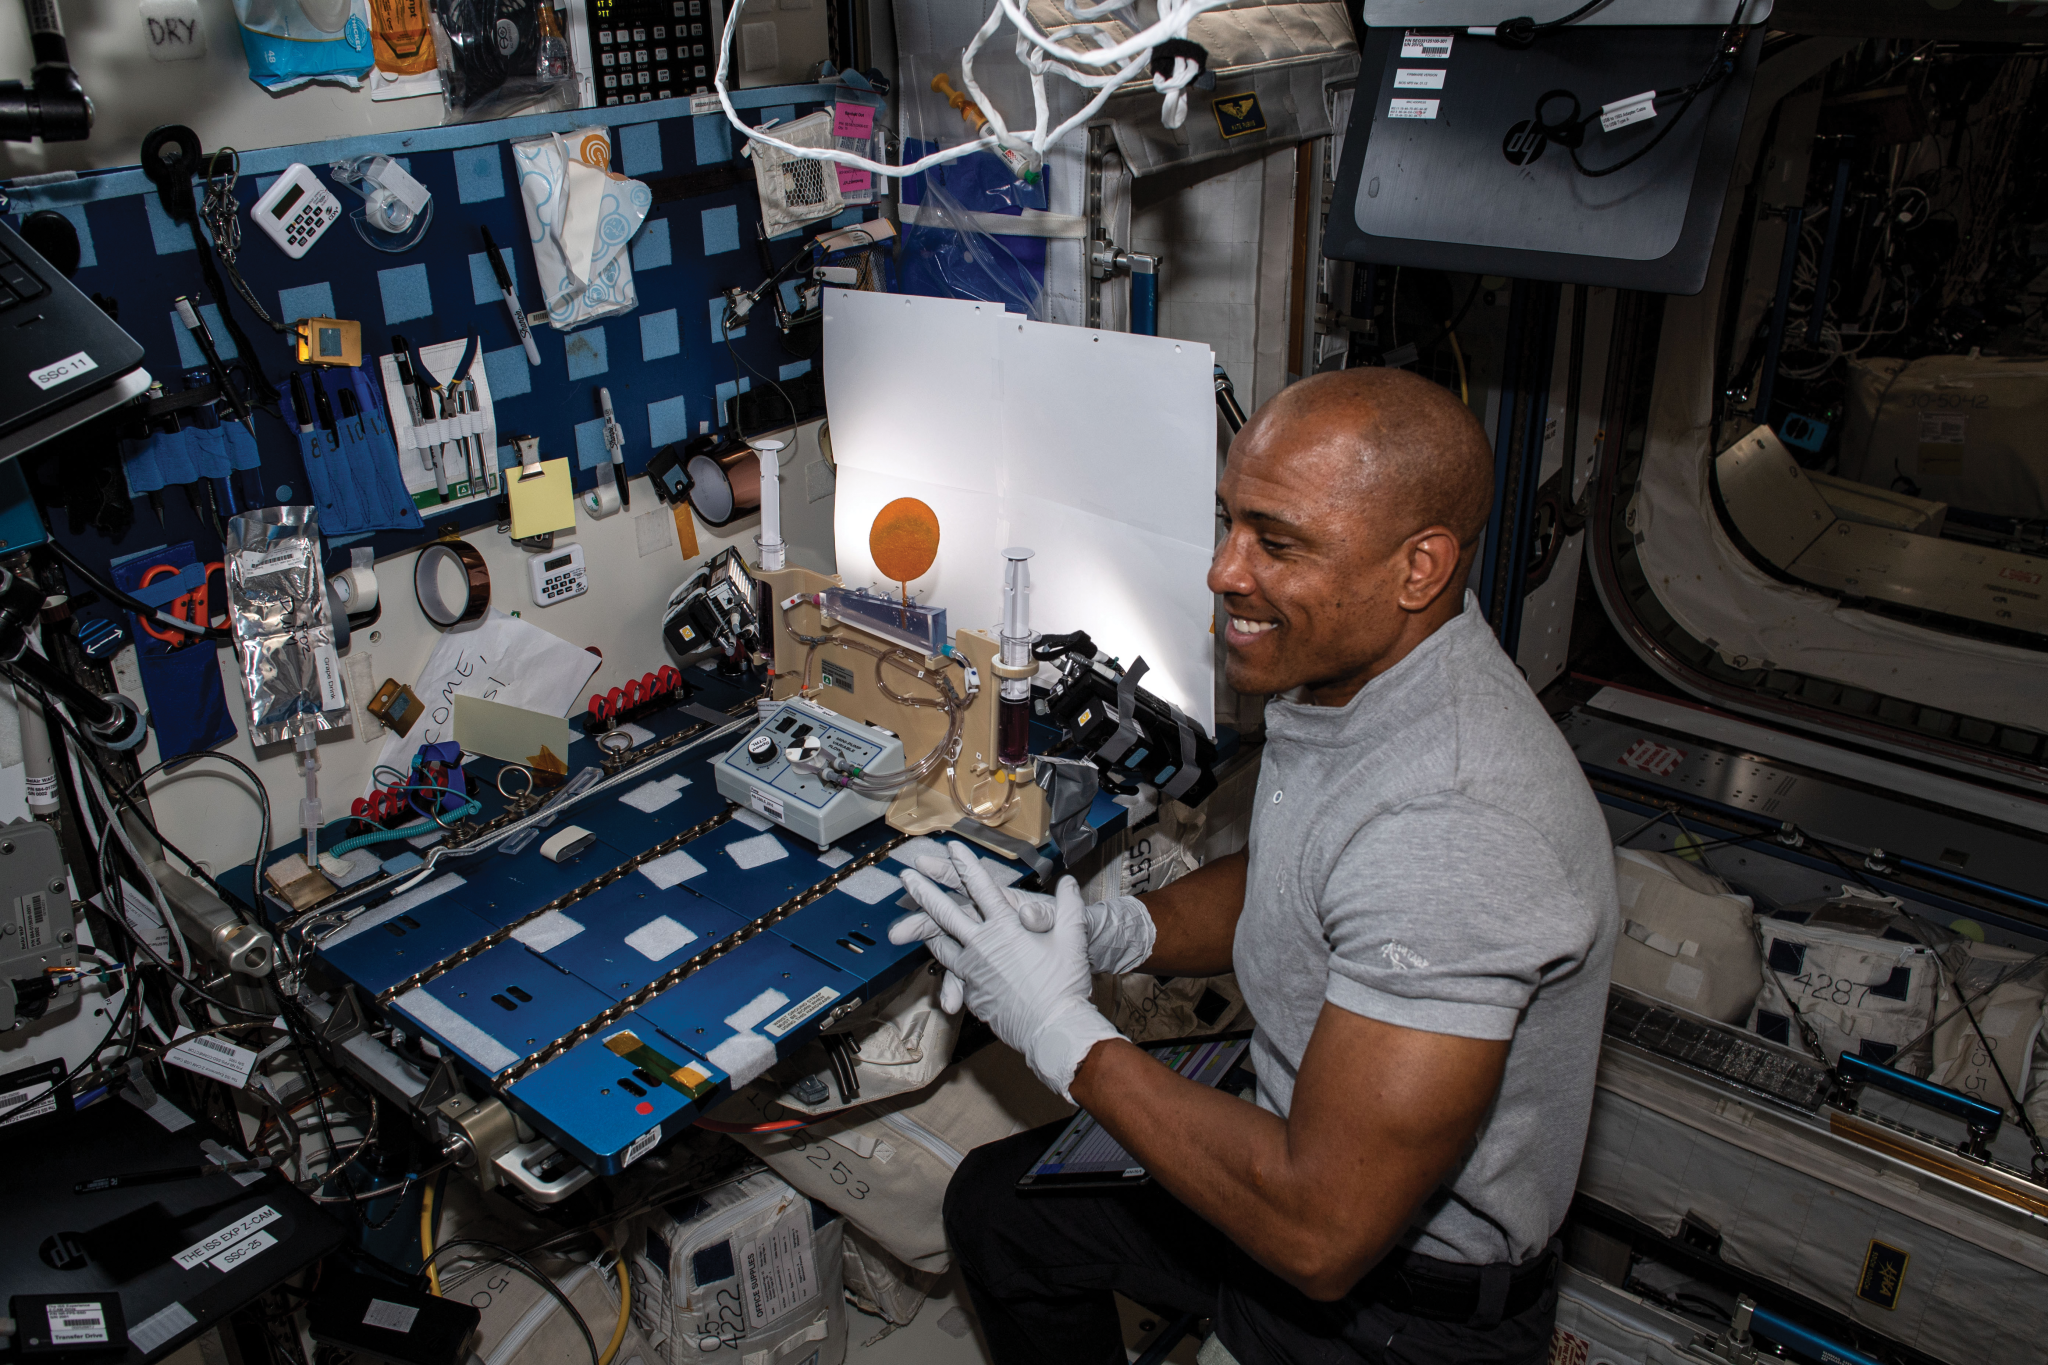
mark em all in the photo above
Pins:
pixel 504 660
pixel 852 181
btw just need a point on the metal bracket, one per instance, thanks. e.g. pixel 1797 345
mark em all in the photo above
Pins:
pixel 443 1084
pixel 346 1021
pixel 840 1012
pixel 1100 141
pixel 521 1168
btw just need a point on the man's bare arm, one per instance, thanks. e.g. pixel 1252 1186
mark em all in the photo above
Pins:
pixel 1380 1115
pixel 1197 919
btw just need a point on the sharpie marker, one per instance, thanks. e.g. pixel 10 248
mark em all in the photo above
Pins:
pixel 511 298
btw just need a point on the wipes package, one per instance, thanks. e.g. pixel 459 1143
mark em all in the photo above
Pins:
pixel 292 42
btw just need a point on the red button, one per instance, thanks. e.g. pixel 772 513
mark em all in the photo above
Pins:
pixel 644 1107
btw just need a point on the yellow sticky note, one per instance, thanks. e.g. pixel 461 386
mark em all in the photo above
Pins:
pixel 543 499
pixel 507 733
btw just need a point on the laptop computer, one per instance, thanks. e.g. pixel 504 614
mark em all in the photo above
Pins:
pixel 181 1254
pixel 62 359
pixel 1444 167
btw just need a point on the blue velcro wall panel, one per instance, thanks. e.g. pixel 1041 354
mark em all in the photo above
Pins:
pixel 662 362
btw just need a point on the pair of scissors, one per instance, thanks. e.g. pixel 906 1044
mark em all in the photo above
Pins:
pixel 191 606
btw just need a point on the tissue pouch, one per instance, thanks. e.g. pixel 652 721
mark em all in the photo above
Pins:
pixel 579 218
pixel 188 707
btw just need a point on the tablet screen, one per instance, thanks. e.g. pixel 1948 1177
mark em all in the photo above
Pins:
pixel 1085 1155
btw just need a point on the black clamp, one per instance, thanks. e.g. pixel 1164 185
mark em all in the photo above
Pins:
pixel 170 159
pixel 1163 58
pixel 1515 33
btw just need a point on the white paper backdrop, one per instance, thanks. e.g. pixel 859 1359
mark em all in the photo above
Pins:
pixel 1096 449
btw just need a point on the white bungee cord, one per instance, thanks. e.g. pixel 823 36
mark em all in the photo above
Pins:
pixel 1116 63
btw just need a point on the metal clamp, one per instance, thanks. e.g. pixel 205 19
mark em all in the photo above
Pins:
pixel 522 1167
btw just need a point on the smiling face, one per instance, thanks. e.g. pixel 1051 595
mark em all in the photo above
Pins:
pixel 1350 505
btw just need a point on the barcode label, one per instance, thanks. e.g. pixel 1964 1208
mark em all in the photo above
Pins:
pixel 213 1057
pixel 260 561
pixel 34 914
pixel 641 1146
pixel 12 1101
pixel 76 1323
pixel 392 1317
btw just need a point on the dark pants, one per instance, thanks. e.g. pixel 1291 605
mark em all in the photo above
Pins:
pixel 1041 1269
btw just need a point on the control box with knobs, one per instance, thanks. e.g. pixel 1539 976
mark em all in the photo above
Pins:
pixel 798 765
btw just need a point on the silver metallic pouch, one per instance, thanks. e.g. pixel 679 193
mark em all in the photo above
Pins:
pixel 284 637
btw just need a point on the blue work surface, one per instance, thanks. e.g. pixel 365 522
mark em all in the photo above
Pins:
pixel 382 947
pixel 598 1106
pixel 850 934
pixel 558 971
pixel 629 933
pixel 759 1001
pixel 500 1006
pixel 754 891
pixel 511 887
pixel 762 998
pixel 627 825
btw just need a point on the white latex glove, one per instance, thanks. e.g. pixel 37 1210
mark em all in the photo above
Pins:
pixel 1030 987
pixel 1120 929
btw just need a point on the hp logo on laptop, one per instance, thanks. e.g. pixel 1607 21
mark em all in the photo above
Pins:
pixel 1524 143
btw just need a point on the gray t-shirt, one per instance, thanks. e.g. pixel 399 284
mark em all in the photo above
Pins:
pixel 1429 855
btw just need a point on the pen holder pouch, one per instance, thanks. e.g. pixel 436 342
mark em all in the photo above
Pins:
pixel 328 472
pixel 139 463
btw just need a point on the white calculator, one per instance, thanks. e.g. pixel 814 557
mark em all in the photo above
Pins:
pixel 296 210
pixel 559 576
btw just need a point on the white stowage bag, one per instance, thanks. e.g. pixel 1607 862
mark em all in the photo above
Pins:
pixel 2009 1015
pixel 904 1041
pixel 1859 990
pixel 524 1325
pixel 1965 429
pixel 748 1274
pixel 886 1165
pixel 1148 1009
pixel 1686 939
pixel 878 1283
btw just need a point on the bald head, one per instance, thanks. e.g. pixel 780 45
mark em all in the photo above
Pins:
pixel 1353 505
pixel 1416 448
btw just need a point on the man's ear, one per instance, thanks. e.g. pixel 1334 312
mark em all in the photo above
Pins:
pixel 1432 555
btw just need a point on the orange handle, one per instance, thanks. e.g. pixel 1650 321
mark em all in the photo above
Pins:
pixel 969 113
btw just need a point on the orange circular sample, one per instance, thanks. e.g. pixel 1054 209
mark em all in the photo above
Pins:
pixel 904 540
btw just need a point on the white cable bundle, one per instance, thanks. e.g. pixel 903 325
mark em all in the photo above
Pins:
pixel 1104 69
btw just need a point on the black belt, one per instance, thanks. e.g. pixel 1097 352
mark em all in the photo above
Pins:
pixel 1445 1291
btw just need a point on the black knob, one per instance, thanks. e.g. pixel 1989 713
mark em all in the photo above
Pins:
pixel 761 748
